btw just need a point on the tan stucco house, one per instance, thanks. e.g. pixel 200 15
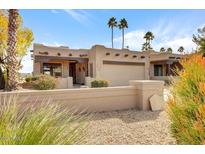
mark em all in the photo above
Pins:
pixel 117 66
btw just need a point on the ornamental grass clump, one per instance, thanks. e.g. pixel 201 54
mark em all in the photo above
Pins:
pixel 44 123
pixel 187 105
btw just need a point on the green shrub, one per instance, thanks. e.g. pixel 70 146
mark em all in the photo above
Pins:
pixel 34 78
pixel 28 79
pixel 94 83
pixel 187 105
pixel 44 82
pixel 45 123
pixel 99 83
pixel 31 78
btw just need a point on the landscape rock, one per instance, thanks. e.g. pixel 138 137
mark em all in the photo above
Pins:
pixel 157 103
pixel 129 127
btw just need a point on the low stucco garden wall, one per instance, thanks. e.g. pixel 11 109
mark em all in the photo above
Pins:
pixel 136 95
pixel 64 83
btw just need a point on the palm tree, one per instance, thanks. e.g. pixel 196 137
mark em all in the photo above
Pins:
pixel 162 49
pixel 111 24
pixel 12 61
pixel 122 25
pixel 169 50
pixel 148 38
pixel 181 49
pixel 2 81
pixel 144 46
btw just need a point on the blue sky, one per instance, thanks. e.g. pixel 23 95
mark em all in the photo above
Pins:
pixel 84 28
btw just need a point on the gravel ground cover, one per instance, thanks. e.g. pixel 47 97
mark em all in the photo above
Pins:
pixel 129 127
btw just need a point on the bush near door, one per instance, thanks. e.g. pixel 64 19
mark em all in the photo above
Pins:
pixel 44 82
pixel 99 83
pixel 40 82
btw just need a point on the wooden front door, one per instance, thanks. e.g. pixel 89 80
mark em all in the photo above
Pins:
pixel 72 71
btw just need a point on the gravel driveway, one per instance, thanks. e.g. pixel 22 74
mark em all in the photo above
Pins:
pixel 129 127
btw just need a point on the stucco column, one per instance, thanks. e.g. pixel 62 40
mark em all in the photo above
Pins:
pixel 147 70
pixel 65 69
pixel 99 66
pixel 96 57
pixel 37 68
pixel 146 89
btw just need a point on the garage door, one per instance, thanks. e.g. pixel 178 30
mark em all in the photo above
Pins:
pixel 119 73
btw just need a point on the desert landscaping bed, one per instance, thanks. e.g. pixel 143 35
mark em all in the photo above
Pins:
pixel 129 127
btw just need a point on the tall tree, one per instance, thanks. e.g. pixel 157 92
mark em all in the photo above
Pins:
pixel 24 39
pixel 169 50
pixel 12 61
pixel 162 49
pixel 181 49
pixel 2 80
pixel 144 46
pixel 122 25
pixel 111 24
pixel 200 40
pixel 148 38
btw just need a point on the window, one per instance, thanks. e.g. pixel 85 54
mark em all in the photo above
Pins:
pixel 158 71
pixel 52 69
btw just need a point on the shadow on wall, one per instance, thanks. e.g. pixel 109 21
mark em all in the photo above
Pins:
pixel 127 116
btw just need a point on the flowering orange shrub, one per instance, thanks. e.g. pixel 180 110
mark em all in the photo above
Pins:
pixel 187 106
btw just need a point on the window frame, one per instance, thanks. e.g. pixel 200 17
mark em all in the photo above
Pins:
pixel 51 68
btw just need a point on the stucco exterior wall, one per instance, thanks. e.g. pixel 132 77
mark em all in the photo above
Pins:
pixel 96 99
pixel 64 83
pixel 95 58
pixel 119 75
pixel 146 89
pixel 40 50
pixel 36 68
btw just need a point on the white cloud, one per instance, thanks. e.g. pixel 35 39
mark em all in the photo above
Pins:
pixel 163 28
pixel 54 11
pixel 27 64
pixel 166 35
pixel 186 42
pixel 133 39
pixel 54 44
pixel 79 15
